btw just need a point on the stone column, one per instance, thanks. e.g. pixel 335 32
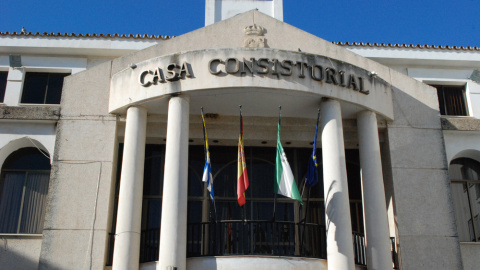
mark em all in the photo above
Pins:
pixel 129 218
pixel 337 205
pixel 374 207
pixel 173 236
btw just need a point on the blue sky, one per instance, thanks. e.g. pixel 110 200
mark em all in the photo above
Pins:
pixel 434 22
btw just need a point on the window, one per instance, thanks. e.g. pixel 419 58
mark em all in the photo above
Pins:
pixel 258 211
pixel 465 177
pixel 451 100
pixel 23 191
pixel 259 208
pixel 3 84
pixel 43 88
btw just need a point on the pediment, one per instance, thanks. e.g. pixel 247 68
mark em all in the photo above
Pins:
pixel 255 32
pixel 232 33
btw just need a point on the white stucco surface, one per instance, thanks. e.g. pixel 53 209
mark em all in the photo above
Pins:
pixel 470 257
pixel 19 252
pixel 461 144
pixel 234 86
pixel 16 135
pixel 216 10
pixel 74 46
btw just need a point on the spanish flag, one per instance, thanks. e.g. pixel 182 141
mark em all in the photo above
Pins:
pixel 242 184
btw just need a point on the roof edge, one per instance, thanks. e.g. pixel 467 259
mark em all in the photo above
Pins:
pixel 87 35
pixel 406 46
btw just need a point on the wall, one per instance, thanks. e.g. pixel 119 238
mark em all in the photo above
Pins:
pixel 449 76
pixel 432 66
pixel 20 252
pixel 470 257
pixel 79 203
pixel 424 213
pixel 461 137
pixel 16 76
pixel 462 140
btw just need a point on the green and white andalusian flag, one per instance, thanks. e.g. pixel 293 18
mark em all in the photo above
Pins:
pixel 285 183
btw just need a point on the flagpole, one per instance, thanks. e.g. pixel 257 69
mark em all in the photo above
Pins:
pixel 303 188
pixel 306 207
pixel 302 241
pixel 275 196
pixel 318 117
pixel 206 157
pixel 242 176
pixel 241 158
pixel 241 122
pixel 241 137
pixel 309 188
pixel 203 129
pixel 214 211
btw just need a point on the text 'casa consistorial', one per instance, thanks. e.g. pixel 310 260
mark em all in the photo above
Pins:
pixel 173 72
pixel 265 67
pixel 259 67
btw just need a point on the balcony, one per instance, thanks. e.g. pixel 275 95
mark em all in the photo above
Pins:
pixel 237 238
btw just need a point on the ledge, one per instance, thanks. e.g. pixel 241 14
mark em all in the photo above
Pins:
pixel 30 113
pixel 20 235
pixel 470 243
pixel 460 123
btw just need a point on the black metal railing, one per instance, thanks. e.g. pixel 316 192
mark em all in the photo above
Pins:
pixel 111 245
pixel 359 248
pixel 149 245
pixel 236 237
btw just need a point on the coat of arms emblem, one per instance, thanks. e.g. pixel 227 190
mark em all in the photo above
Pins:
pixel 254 37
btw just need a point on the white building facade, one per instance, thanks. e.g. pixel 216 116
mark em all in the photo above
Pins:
pixel 105 169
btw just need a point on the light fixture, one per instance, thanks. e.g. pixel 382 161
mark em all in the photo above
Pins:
pixel 15 60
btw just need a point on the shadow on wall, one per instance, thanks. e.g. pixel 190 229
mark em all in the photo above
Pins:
pixel 334 216
pixel 21 254
pixel 414 164
pixel 469 153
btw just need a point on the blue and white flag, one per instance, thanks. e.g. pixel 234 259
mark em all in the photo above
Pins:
pixel 207 176
pixel 207 170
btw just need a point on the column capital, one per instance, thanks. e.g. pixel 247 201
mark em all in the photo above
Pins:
pixel 366 112
pixel 324 99
pixel 139 106
pixel 180 95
